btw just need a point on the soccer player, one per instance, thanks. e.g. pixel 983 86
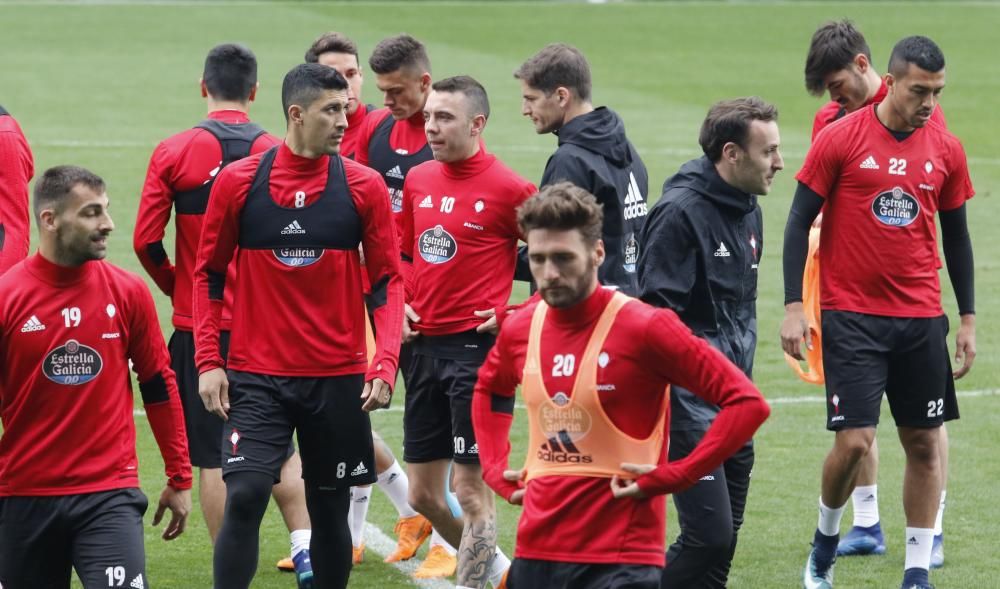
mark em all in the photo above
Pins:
pixel 593 153
pixel 459 250
pixel 341 53
pixel 839 61
pixel 338 51
pixel 297 358
pixel 880 175
pixel 17 166
pixel 700 249
pixel 180 176
pixel 594 366
pixel 70 324
pixel 392 141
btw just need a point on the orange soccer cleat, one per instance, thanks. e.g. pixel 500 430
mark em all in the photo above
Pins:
pixel 358 554
pixel 438 564
pixel 410 533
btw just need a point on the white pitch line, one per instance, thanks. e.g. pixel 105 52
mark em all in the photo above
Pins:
pixel 383 545
pixel 775 401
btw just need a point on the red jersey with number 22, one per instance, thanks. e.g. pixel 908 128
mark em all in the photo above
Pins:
pixel 878 248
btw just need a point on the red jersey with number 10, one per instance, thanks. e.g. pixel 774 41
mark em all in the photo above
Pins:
pixel 878 247
pixel 459 224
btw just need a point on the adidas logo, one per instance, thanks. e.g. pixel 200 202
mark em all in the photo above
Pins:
pixel 427 203
pixel 562 451
pixel 137 582
pixel 869 499
pixel 395 172
pixel 913 541
pixel 722 252
pixel 359 470
pixel 474 449
pixel 32 324
pixel 635 204
pixel 392 477
pixel 869 163
pixel 293 228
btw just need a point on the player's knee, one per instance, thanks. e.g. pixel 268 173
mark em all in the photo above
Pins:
pixel 473 498
pixel 428 502
pixel 921 445
pixel 854 444
pixel 247 494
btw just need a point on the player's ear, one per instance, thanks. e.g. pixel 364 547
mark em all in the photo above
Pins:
pixel 295 114
pixel 253 92
pixel 599 253
pixel 731 152
pixel 862 63
pixel 478 124
pixel 425 82
pixel 204 88
pixel 563 95
pixel 47 220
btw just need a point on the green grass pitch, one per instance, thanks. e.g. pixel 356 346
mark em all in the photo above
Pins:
pixel 99 83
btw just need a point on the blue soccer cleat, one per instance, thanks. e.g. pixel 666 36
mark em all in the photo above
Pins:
pixel 303 569
pixel 937 552
pixel 813 578
pixel 862 541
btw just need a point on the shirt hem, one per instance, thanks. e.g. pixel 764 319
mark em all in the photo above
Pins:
pixel 653 559
pixel 76 490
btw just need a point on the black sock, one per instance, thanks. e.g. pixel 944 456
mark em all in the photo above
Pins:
pixel 236 548
pixel 826 550
pixel 330 548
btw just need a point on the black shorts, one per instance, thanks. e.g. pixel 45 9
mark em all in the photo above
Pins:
pixel 437 421
pixel 204 429
pixel 334 434
pixel 99 534
pixel 907 358
pixel 546 574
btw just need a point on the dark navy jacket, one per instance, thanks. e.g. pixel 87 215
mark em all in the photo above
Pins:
pixel 699 252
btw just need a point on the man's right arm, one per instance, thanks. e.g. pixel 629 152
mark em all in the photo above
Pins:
pixel 493 415
pixel 667 259
pixel 680 357
pixel 219 238
pixel 151 222
pixel 806 204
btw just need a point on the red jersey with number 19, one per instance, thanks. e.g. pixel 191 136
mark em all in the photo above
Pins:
pixel 878 247
pixel 460 236
pixel 66 338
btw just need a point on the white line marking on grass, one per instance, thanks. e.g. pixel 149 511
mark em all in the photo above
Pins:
pixel 383 545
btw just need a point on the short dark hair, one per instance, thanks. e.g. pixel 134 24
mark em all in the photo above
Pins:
pixel 401 51
pixel 304 83
pixel 834 46
pixel 230 72
pixel 56 184
pixel 918 50
pixel 563 207
pixel 557 64
pixel 331 42
pixel 729 121
pixel 479 102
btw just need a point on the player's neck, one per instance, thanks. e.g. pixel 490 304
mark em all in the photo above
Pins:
pixel 216 105
pixel 888 116
pixel 51 254
pixel 874 83
pixel 577 109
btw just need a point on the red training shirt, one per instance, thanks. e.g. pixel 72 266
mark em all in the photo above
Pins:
pixel 460 235
pixel 180 163
pixel 355 122
pixel 647 349
pixel 66 338
pixel 283 325
pixel 17 166
pixel 878 247
pixel 407 136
